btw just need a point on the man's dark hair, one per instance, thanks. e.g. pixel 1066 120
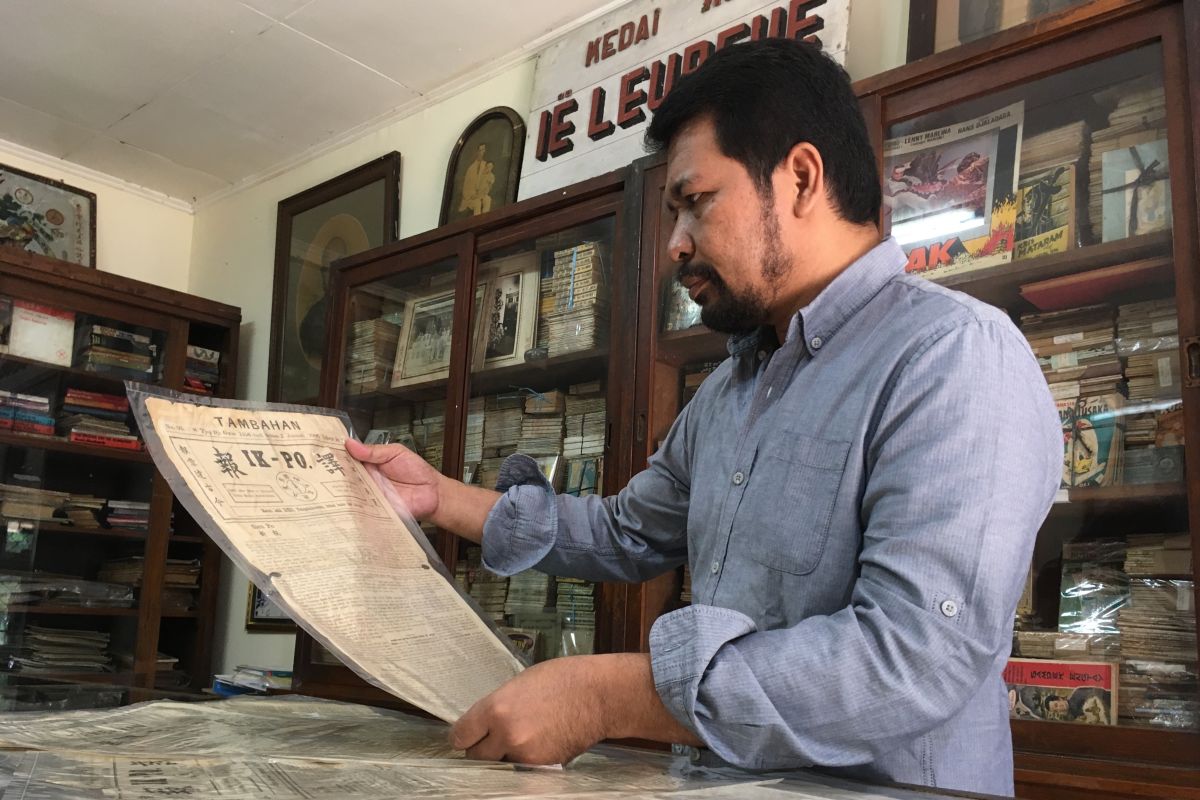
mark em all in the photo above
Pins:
pixel 763 97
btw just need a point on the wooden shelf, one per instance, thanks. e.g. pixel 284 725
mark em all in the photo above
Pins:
pixel 186 539
pixel 691 346
pixel 192 614
pixel 79 530
pixel 57 445
pixel 112 383
pixel 1168 746
pixel 1001 285
pixel 103 678
pixel 72 610
pixel 543 374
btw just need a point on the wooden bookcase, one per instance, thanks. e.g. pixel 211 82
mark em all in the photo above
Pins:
pixel 183 630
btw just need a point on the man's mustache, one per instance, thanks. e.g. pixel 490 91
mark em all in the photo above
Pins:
pixel 698 269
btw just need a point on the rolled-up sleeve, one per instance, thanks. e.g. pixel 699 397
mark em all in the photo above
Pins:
pixel 962 466
pixel 632 536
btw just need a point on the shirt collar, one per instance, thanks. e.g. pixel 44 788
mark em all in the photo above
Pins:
pixel 845 295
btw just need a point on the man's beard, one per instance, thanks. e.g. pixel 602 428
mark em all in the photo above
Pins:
pixel 737 312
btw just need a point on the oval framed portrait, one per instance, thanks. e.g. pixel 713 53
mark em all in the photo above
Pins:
pixel 485 165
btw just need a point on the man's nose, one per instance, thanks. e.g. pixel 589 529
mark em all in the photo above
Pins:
pixel 680 246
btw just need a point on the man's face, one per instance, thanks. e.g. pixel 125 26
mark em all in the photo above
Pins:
pixel 726 238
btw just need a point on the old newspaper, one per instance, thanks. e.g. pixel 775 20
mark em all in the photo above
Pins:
pixel 274 487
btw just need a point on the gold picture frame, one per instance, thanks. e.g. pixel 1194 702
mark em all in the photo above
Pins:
pixel 262 615
pixel 507 313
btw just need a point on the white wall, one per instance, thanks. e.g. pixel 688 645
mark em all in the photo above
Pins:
pixel 233 256
pixel 139 233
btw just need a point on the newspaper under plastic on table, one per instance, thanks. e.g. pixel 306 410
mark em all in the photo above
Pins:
pixel 328 540
pixel 295 748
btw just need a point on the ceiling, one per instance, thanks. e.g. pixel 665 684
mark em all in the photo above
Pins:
pixel 191 97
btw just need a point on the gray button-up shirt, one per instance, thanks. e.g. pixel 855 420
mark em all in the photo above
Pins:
pixel 858 509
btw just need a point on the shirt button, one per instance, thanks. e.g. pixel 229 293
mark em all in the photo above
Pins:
pixel 738 478
pixel 762 354
pixel 949 608
pixel 716 567
pixel 816 343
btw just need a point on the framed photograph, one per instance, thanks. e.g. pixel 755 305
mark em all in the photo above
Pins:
pixel 353 212
pixel 47 217
pixel 507 312
pixel 937 25
pixel 263 615
pixel 423 353
pixel 485 165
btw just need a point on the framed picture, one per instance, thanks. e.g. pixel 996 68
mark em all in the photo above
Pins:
pixel 351 213
pixel 485 165
pixel 937 25
pixel 263 615
pixel 47 217
pixel 423 353
pixel 507 312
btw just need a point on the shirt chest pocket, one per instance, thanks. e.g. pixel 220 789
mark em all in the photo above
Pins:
pixel 785 515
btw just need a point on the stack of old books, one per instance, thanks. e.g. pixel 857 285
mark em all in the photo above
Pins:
pixel 1158 648
pixel 585 420
pixel 503 419
pixel 1078 355
pixel 1148 339
pixel 202 371
pixel 372 355
pixel 1158 554
pixel 66 650
pixel 179 573
pixel 576 605
pixel 1121 153
pixel 541 434
pixel 429 432
pixel 128 514
pixel 489 590
pixel 84 510
pixel 685 595
pixel 26 413
pixel 115 351
pixel 528 592
pixel 473 441
pixel 1050 164
pixel 32 503
pixel 97 418
pixel 579 287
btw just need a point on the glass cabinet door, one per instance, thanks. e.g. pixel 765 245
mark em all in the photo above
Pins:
pixel 395 370
pixel 537 385
pixel 1058 200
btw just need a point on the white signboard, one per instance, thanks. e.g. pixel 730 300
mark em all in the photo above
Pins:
pixel 595 90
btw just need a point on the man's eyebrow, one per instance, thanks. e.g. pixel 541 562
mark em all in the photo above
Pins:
pixel 677 186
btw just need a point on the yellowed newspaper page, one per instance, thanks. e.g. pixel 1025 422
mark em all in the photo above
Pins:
pixel 274 486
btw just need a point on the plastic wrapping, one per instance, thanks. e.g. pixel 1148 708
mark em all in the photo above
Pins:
pixel 1094 586
pixel 36 589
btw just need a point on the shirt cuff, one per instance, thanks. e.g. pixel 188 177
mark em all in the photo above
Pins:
pixel 521 528
pixel 682 645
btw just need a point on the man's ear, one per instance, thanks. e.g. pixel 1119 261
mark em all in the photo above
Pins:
pixel 802 175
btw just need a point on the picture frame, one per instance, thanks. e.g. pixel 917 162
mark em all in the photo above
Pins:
pixel 47 217
pixel 263 615
pixel 937 25
pixel 485 165
pixel 423 352
pixel 506 310
pixel 355 211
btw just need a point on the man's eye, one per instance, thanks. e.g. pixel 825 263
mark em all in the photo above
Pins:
pixel 694 198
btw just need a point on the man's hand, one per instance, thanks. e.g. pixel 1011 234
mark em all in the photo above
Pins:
pixel 555 710
pixel 415 480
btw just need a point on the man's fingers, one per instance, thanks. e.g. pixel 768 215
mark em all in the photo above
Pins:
pixel 372 453
pixel 489 749
pixel 470 728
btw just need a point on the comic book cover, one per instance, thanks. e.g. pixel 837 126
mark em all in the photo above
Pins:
pixel 1083 692
pixel 1098 440
pixel 1046 212
pixel 951 193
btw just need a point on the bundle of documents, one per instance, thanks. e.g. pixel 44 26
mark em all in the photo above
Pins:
pixel 585 424
pixel 371 356
pixel 47 588
pixel 577 293
pixel 528 591
pixel 202 371
pixel 1139 118
pixel 27 502
pixel 46 649
pixel 541 434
